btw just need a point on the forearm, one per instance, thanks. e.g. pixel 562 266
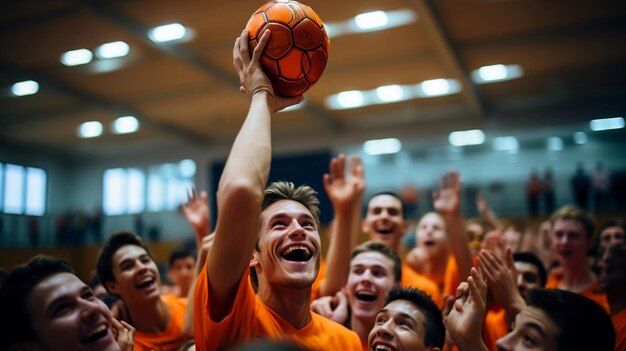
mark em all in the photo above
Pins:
pixel 338 255
pixel 459 243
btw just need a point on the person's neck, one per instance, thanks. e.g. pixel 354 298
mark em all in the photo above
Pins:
pixel 152 316
pixel 362 326
pixel 435 267
pixel 617 298
pixel 292 304
pixel 577 277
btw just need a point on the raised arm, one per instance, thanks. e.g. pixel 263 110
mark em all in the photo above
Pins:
pixel 345 194
pixel 486 213
pixel 448 204
pixel 241 186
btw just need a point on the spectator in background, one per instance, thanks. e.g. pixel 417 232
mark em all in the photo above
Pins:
pixel 580 187
pixel 611 233
pixel 533 193
pixel 600 188
pixel 612 278
pixel 181 270
pixel 548 191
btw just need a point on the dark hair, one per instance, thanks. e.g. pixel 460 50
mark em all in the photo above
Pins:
pixel 390 193
pixel 383 249
pixel 529 257
pixel 179 253
pixel 582 324
pixel 15 319
pixel 104 266
pixel 435 332
pixel 577 214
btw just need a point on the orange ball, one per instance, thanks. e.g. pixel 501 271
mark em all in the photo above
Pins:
pixel 297 52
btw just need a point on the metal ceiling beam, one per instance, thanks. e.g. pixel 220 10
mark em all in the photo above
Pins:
pixel 433 24
pixel 89 99
pixel 189 56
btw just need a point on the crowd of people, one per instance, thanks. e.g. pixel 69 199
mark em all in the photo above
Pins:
pixel 260 279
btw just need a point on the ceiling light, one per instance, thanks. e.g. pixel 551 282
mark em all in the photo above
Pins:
pixel 76 57
pixel 434 87
pixel 168 32
pixel 125 124
pixel 112 50
pixel 371 20
pixel 555 144
pixel 580 138
pixel 187 168
pixel 606 123
pixel 467 137
pixel 496 73
pixel 350 99
pixel 507 143
pixel 382 146
pixel 390 93
pixel 27 87
pixel 90 129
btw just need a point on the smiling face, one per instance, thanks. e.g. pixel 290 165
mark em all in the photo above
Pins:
pixel 569 243
pixel 370 279
pixel 399 326
pixel 532 330
pixel 611 236
pixel 384 221
pixel 136 275
pixel 612 264
pixel 182 272
pixel 289 246
pixel 66 315
pixel 431 235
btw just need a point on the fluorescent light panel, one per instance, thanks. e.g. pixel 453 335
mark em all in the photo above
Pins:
pixel 167 33
pixel 382 146
pixel 371 21
pixel 507 143
pixel 496 73
pixel 580 138
pixel 554 144
pixel 125 125
pixel 90 129
pixel 606 123
pixel 76 57
pixel 112 50
pixel 467 137
pixel 27 87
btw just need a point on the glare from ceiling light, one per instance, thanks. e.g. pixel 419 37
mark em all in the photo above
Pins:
pixel 112 50
pixel 27 87
pixel 496 73
pixel 76 57
pixel 467 137
pixel 187 168
pixel 606 123
pixel 125 124
pixel 395 18
pixel 580 138
pixel 435 87
pixel 90 129
pixel 555 144
pixel 167 33
pixel 371 20
pixel 382 146
pixel 507 143
pixel 350 99
pixel 390 93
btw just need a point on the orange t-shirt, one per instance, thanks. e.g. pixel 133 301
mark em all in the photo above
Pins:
pixel 619 322
pixel 451 279
pixel 172 338
pixel 591 292
pixel 411 278
pixel 495 326
pixel 315 289
pixel 250 318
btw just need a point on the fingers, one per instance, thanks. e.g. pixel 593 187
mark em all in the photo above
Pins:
pixel 258 50
pixel 340 167
pixel 447 305
pixel 244 54
pixel 508 254
pixel 477 286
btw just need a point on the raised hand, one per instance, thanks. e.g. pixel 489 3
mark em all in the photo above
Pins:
pixel 447 201
pixel 342 190
pixel 502 280
pixel 196 212
pixel 123 333
pixel 334 308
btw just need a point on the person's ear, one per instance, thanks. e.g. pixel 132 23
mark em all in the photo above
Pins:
pixel 365 226
pixel 26 346
pixel 254 262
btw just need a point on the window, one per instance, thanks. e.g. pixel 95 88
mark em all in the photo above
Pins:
pixel 22 190
pixel 130 190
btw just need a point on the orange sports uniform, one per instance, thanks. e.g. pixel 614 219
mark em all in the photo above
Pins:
pixel 250 319
pixel 619 322
pixel 411 278
pixel 554 282
pixel 172 338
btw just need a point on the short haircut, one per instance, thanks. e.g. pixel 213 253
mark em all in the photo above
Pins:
pixel 577 214
pixel 372 246
pixel 529 257
pixel 390 193
pixel 615 222
pixel 179 253
pixel 15 319
pixel 303 194
pixel 582 324
pixel 104 266
pixel 435 332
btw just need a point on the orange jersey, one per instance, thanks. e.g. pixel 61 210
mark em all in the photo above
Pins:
pixel 554 282
pixel 172 338
pixel 411 278
pixel 495 326
pixel 250 319
pixel 315 289
pixel 619 322
pixel 451 278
